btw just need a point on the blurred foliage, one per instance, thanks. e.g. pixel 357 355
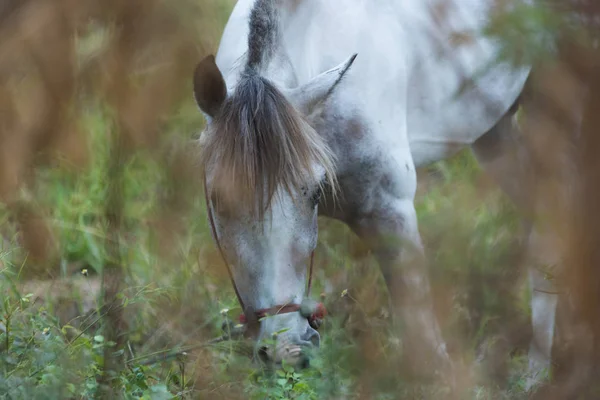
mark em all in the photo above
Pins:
pixel 137 85
pixel 528 33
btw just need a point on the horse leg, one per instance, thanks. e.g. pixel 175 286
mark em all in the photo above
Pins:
pixel 544 300
pixel 505 158
pixel 387 223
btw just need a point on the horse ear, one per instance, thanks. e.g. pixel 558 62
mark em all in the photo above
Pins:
pixel 316 90
pixel 210 90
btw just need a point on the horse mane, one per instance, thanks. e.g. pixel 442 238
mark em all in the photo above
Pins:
pixel 263 32
pixel 257 143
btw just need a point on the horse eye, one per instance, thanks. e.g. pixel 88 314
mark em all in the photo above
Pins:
pixel 316 197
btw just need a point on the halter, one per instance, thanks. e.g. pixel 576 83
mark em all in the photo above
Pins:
pixel 314 313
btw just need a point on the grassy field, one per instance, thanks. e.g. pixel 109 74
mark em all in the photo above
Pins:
pixel 51 337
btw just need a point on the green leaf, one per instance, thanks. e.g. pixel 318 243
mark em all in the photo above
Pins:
pixel 282 381
pixel 301 387
pixel 158 392
pixel 286 367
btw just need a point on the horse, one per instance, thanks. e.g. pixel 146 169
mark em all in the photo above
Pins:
pixel 317 108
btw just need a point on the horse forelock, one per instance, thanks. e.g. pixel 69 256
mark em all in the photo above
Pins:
pixel 257 144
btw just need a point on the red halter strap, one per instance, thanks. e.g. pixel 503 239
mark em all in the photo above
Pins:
pixel 316 315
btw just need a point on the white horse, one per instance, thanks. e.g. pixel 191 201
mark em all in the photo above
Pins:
pixel 285 124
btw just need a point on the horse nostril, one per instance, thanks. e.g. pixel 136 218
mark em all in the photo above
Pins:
pixel 316 340
pixel 312 336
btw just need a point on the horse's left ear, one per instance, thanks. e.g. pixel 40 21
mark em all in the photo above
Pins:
pixel 307 96
pixel 210 90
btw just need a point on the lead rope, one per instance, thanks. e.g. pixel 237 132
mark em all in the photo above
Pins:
pixel 216 238
pixel 310 273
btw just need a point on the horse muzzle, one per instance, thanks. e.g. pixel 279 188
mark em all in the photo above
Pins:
pixel 291 349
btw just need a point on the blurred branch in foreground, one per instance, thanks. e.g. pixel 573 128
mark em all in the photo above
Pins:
pixel 562 129
pixel 130 62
